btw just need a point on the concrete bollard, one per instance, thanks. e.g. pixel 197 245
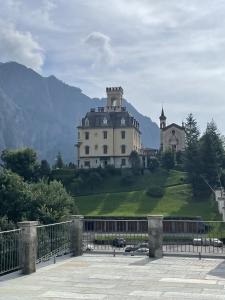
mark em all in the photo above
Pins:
pixel 77 235
pixel 28 246
pixel 155 235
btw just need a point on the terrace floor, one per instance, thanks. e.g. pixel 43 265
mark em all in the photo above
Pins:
pixel 121 277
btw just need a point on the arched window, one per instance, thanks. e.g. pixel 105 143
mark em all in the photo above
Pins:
pixel 87 150
pixel 105 149
pixel 86 122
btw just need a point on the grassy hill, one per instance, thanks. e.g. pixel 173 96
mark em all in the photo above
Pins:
pixel 119 200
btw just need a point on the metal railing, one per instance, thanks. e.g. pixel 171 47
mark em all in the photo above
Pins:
pixel 10 251
pixel 194 237
pixel 113 235
pixel 53 240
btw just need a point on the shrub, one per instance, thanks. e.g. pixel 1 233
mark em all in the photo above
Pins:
pixel 94 179
pixel 155 191
pixel 127 180
pixel 111 170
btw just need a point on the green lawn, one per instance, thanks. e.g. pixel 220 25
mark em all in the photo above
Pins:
pixel 113 184
pixel 117 200
pixel 177 201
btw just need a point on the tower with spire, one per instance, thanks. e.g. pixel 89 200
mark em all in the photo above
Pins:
pixel 162 119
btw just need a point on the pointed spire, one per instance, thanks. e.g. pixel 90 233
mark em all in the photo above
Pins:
pixel 162 117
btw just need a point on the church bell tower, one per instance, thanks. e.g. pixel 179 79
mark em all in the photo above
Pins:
pixel 162 119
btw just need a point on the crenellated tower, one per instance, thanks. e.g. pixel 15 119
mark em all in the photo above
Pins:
pixel 114 98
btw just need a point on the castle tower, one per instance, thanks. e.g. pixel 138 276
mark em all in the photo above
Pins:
pixel 114 98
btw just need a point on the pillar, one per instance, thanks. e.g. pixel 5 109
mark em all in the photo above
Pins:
pixel 77 235
pixel 28 246
pixel 155 234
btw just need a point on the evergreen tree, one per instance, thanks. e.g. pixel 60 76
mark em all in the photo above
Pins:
pixel 135 162
pixel 211 154
pixel 192 156
pixel 59 161
pixel 44 170
pixel 168 159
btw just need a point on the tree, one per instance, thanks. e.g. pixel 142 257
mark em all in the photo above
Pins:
pixel 167 159
pixel 59 161
pixel 50 202
pixel 21 161
pixel 44 169
pixel 15 196
pixel 192 154
pixel 191 131
pixel 153 164
pixel 211 154
pixel 94 179
pixel 135 162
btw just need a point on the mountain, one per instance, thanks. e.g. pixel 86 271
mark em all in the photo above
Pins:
pixel 43 112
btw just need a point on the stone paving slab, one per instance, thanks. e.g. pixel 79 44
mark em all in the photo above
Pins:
pixel 105 277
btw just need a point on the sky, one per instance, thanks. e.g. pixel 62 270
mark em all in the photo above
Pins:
pixel 169 53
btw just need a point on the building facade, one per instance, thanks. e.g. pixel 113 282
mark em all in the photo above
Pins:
pixel 107 135
pixel 171 136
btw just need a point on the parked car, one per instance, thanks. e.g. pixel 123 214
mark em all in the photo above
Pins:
pixel 216 242
pixel 139 251
pixel 143 245
pixel 88 247
pixel 131 248
pixel 206 242
pixel 197 241
pixel 119 242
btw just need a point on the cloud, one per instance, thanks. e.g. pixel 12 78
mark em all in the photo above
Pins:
pixel 99 45
pixel 20 46
pixel 159 51
pixel 26 13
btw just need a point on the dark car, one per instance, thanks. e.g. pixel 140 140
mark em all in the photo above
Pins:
pixel 119 242
pixel 131 248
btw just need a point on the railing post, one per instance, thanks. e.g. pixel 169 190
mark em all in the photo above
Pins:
pixel 155 235
pixel 77 235
pixel 28 249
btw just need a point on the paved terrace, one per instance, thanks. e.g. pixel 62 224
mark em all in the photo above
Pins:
pixel 121 277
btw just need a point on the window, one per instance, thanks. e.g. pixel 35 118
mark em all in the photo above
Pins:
pixel 87 149
pixel 105 121
pixel 122 121
pixel 123 134
pixel 105 149
pixel 86 122
pixel 86 135
pixel 104 135
pixel 173 132
pixel 123 162
pixel 87 164
pixel 96 147
pixel 78 135
pixel 123 149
